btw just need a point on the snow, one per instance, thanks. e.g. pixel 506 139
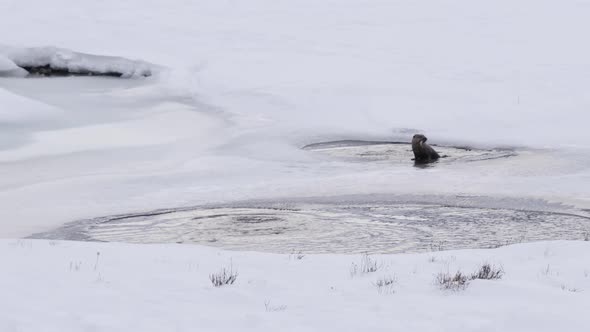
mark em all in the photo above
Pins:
pixel 170 124
pixel 18 110
pixel 240 88
pixel 69 286
pixel 73 62
pixel 9 68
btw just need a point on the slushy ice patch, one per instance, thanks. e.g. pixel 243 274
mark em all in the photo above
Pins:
pixel 400 152
pixel 340 226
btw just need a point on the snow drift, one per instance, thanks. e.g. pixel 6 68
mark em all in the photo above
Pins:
pixel 73 286
pixel 53 61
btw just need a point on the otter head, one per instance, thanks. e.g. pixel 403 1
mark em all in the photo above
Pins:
pixel 418 139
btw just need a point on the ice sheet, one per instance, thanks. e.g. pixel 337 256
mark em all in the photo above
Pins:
pixel 248 85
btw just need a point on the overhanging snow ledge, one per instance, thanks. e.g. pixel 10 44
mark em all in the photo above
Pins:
pixel 52 61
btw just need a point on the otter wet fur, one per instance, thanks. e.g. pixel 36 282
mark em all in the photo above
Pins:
pixel 423 153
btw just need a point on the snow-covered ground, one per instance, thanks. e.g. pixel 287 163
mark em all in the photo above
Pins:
pixel 68 286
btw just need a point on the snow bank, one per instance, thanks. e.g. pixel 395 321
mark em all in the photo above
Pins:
pixel 72 286
pixel 9 68
pixel 64 61
pixel 17 110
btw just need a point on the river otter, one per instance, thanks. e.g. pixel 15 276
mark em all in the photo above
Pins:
pixel 423 153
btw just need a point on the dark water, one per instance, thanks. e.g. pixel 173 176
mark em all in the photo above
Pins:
pixel 343 225
pixel 401 152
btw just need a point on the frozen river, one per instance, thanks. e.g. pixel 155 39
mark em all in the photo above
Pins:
pixel 134 137
pixel 249 104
